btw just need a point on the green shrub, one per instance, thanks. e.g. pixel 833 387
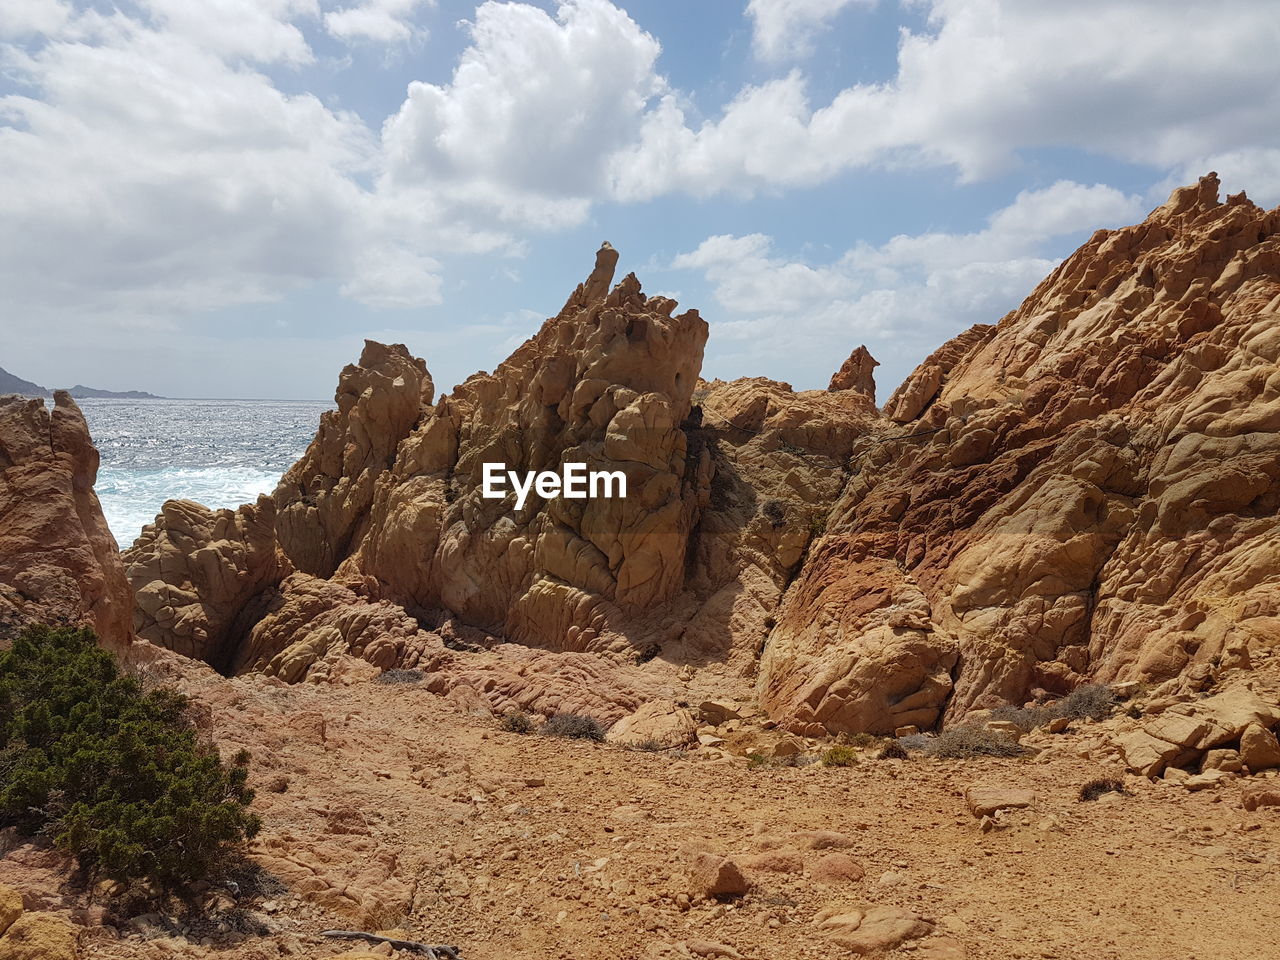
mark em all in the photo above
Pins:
pixel 573 726
pixel 840 756
pixel 112 773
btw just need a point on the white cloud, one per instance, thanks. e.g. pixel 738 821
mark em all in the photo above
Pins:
pixel 785 29
pixel 23 18
pixel 392 277
pixel 534 108
pixel 901 298
pixel 1146 81
pixel 259 30
pixel 378 21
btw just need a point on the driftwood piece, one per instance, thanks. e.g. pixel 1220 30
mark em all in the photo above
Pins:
pixel 431 951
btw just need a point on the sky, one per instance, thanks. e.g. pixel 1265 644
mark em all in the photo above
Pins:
pixel 223 198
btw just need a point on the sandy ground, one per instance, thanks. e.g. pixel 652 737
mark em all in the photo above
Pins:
pixel 385 806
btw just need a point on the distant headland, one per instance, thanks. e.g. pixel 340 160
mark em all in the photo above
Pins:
pixel 11 384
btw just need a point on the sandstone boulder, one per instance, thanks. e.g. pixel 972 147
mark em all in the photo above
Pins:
pixel 1259 749
pixel 872 929
pixel 984 801
pixel 658 722
pixel 713 875
pixel 40 936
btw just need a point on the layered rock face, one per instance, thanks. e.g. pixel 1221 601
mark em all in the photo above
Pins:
pixel 58 561
pixel 1087 490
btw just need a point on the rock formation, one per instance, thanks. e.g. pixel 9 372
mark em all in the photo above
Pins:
pixel 58 561
pixel 200 574
pixel 1087 490
pixel 324 498
pixel 398 554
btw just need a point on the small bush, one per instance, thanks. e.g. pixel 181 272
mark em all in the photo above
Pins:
pixel 1096 788
pixel 1093 701
pixel 775 511
pixel 648 746
pixel 114 774
pixel 840 756
pixel 971 741
pixel 573 726
pixel 892 750
pixel 916 741
pixel 756 761
pixel 400 676
pixel 516 722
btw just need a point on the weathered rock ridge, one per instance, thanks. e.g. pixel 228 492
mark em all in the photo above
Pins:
pixel 380 543
pixel 1086 490
pixel 58 561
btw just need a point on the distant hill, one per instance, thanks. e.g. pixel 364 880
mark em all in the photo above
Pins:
pixel 81 392
pixel 11 384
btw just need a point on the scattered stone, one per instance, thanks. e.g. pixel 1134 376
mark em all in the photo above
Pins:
pixel 1260 795
pixel 716 712
pixel 910 730
pixel 776 861
pixel 1259 748
pixel 864 930
pixel 1225 760
pixel 984 801
pixel 716 876
pixel 1058 724
pixel 708 948
pixel 1144 754
pixel 837 868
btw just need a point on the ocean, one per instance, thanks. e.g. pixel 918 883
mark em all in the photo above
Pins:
pixel 220 452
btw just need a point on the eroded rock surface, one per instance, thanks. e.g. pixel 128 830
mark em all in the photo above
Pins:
pixel 1086 490
pixel 58 561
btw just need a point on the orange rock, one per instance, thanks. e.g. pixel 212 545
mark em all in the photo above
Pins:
pixel 58 561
